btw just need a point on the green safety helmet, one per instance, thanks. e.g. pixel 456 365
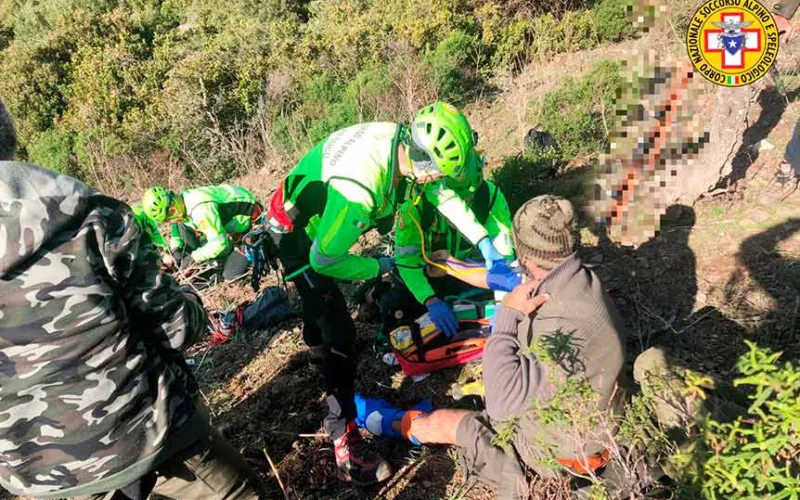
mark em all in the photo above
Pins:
pixel 155 203
pixel 472 176
pixel 443 133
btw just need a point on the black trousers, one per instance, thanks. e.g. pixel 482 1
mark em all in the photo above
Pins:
pixel 326 322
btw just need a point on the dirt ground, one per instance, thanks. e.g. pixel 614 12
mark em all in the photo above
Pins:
pixel 722 271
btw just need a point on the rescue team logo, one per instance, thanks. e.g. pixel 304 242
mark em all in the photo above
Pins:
pixel 732 42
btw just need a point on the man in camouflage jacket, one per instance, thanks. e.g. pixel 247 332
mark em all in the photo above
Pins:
pixel 96 400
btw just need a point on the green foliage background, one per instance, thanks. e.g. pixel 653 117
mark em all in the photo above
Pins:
pixel 117 92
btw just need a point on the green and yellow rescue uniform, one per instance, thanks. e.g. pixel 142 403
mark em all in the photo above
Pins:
pixel 419 227
pixel 221 215
pixel 149 226
pixel 341 189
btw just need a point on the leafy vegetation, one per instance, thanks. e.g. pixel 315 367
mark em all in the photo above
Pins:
pixel 106 89
pixel 756 455
pixel 753 455
pixel 576 115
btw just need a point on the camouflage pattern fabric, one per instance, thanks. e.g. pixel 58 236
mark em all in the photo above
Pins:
pixel 92 386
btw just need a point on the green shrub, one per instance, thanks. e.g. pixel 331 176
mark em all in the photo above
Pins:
pixel 35 78
pixel 575 112
pixel 755 456
pixel 522 176
pixel 612 20
pixel 454 63
pixel 54 149
pixel 334 116
pixel 511 49
pixel 577 31
pixel 213 86
pixel 371 92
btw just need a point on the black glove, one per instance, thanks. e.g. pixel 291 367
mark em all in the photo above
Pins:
pixel 261 251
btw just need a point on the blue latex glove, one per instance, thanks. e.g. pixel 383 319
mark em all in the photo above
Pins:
pixel 502 278
pixel 489 252
pixel 443 317
pixel 386 264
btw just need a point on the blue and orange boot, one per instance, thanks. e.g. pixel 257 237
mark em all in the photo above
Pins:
pixel 380 418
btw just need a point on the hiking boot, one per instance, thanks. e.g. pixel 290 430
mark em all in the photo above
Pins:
pixel 356 462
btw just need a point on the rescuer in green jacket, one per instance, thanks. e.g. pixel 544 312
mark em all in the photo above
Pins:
pixel 149 226
pixel 346 185
pixel 420 230
pixel 218 214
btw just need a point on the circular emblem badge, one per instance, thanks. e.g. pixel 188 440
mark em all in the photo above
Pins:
pixel 732 42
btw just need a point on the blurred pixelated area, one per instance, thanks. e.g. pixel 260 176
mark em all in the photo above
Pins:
pixel 655 132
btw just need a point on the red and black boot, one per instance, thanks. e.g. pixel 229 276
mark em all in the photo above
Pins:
pixel 356 462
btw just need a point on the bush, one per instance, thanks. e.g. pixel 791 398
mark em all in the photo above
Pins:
pixel 455 61
pixel 53 149
pixel 755 456
pixel 575 31
pixel 612 20
pixel 523 176
pixel 214 86
pixel 575 112
pixel 513 40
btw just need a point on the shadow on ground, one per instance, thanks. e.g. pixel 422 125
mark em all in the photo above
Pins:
pixel 778 274
pixel 773 105
pixel 655 289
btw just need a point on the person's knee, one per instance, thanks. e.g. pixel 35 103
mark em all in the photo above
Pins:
pixel 665 384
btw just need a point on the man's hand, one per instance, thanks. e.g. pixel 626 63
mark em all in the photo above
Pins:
pixel 784 28
pixel 167 261
pixel 520 298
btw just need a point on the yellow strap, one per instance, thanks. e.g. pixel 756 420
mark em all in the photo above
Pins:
pixel 448 269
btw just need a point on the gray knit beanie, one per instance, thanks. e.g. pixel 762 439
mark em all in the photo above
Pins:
pixel 544 231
